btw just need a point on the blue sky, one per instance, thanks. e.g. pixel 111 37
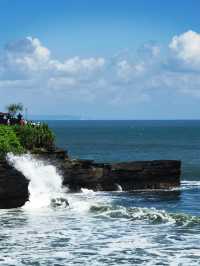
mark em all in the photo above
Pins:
pixel 130 59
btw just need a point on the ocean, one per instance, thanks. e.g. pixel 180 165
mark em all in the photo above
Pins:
pixel 108 228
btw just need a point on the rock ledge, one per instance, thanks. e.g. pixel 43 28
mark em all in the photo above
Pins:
pixel 77 174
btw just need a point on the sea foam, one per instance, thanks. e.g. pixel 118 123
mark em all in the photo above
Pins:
pixel 45 185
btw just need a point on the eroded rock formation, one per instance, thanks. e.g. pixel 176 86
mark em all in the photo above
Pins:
pixel 77 174
pixel 129 176
pixel 13 187
pixel 159 174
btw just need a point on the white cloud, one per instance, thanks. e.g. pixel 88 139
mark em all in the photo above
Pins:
pixel 29 57
pixel 26 55
pixel 186 48
pixel 28 64
pixel 149 50
pixel 77 65
pixel 127 70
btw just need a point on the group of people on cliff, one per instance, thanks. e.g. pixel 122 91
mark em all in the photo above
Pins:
pixel 7 119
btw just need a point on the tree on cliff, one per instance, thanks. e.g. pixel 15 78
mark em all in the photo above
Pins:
pixel 14 108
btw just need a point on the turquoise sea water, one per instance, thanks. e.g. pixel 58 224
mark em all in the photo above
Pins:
pixel 116 228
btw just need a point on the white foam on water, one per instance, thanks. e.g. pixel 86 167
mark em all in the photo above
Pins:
pixel 45 186
pixel 112 234
pixel 45 182
pixel 87 191
pixel 82 202
pixel 119 188
pixel 190 184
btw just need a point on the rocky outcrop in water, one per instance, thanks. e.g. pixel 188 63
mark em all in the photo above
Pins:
pixel 13 187
pixel 77 174
pixel 126 176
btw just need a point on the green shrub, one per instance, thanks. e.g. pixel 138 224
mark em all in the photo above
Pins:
pixel 32 137
pixel 18 139
pixel 9 142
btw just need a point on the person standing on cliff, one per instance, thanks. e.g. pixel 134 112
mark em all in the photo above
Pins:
pixel 19 117
pixel 20 120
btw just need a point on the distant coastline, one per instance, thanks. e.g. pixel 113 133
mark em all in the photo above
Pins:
pixel 82 118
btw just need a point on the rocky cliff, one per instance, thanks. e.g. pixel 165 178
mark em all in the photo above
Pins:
pixel 127 176
pixel 13 187
pixel 77 174
pixel 159 174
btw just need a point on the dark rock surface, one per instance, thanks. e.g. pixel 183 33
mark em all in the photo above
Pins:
pixel 13 187
pixel 77 174
pixel 159 174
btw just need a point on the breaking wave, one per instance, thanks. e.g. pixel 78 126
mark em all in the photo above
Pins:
pixel 46 191
pixel 190 184
pixel 151 215
pixel 45 185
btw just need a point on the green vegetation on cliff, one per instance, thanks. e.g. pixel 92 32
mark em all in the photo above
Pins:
pixel 18 139
pixel 9 141
pixel 33 137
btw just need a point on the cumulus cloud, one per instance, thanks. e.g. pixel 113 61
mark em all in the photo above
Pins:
pixel 186 48
pixel 77 65
pixel 123 78
pixel 26 55
pixel 29 57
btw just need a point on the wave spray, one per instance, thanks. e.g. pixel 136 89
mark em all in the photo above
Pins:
pixel 45 185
